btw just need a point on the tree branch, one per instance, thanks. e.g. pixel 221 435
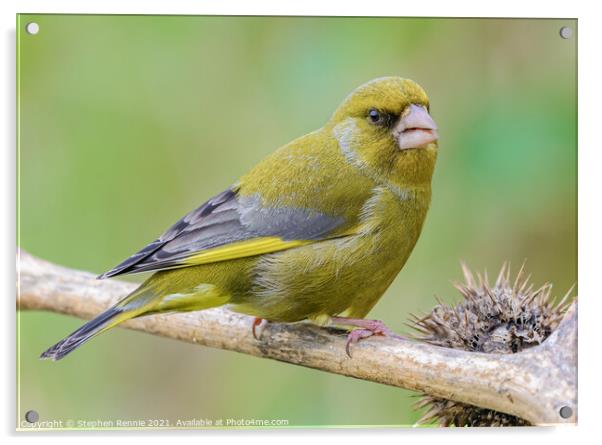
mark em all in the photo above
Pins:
pixel 535 384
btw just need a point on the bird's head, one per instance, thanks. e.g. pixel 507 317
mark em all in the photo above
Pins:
pixel 384 127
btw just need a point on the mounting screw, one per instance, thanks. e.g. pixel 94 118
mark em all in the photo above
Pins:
pixel 566 32
pixel 32 416
pixel 32 28
pixel 566 412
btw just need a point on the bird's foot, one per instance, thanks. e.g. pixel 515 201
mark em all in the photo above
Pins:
pixel 258 324
pixel 365 329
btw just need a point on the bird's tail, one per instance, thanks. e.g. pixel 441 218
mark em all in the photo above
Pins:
pixel 137 303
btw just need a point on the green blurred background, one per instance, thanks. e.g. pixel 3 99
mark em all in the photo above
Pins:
pixel 128 122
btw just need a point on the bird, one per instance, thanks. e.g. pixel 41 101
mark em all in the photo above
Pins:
pixel 315 232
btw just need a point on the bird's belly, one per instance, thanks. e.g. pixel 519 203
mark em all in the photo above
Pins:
pixel 327 278
pixel 339 276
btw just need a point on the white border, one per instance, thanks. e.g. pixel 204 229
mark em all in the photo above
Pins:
pixel 590 223
pixel 458 8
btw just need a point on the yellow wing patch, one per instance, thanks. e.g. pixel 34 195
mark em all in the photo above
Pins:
pixel 242 249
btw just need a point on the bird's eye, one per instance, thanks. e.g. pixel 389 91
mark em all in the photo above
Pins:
pixel 378 117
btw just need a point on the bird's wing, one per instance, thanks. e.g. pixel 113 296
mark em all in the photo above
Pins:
pixel 230 226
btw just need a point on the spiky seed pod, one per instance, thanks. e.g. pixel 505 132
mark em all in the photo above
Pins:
pixel 505 318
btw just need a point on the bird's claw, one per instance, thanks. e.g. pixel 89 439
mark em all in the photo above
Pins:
pixel 368 329
pixel 258 323
pixel 355 336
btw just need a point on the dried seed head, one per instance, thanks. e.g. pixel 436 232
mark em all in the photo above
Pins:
pixel 505 318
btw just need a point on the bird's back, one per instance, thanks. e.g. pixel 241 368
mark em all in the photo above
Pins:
pixel 309 173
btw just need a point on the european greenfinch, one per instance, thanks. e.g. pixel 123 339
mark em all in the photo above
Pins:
pixel 316 231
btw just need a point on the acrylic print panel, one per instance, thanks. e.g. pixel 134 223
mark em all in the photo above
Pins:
pixel 126 123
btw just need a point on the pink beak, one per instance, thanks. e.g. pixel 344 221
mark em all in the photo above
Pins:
pixel 416 129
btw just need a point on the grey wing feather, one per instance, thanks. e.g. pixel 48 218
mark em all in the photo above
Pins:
pixel 224 219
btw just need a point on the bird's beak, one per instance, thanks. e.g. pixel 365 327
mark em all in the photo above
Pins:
pixel 416 128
